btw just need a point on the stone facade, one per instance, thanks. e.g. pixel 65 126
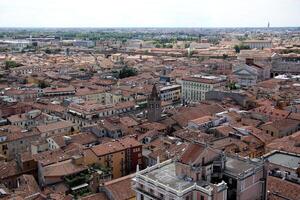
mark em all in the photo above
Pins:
pixel 154 106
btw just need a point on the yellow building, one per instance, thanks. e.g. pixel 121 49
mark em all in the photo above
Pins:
pixel 114 155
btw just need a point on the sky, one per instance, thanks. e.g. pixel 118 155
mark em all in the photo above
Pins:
pixel 149 13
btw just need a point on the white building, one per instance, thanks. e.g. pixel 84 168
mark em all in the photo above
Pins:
pixel 195 87
pixel 16 44
pixel 249 74
pixel 202 173
pixel 258 44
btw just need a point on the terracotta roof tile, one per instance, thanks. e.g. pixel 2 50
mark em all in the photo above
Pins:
pixel 115 146
pixel 120 189
pixel 281 189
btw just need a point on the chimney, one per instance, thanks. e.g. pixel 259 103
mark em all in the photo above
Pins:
pixel 78 159
pixel 249 61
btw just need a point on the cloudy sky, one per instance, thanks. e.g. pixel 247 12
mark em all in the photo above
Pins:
pixel 149 13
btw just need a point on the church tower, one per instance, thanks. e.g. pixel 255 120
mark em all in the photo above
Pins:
pixel 154 105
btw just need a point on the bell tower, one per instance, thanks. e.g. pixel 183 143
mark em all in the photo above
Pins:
pixel 154 105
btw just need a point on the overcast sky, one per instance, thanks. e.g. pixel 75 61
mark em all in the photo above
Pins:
pixel 149 13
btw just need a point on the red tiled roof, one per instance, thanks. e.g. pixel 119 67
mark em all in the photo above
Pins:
pixel 120 189
pixel 118 145
pixel 8 169
pixel 282 189
pixel 97 196
pixel 63 168
pixel 289 143
pixel 54 126
pixel 191 153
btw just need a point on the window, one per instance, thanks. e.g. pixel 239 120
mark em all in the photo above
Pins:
pixel 201 197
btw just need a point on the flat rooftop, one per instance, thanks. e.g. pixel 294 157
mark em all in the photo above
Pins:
pixel 285 160
pixel 166 175
pixel 236 166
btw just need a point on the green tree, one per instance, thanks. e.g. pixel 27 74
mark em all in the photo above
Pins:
pixel 43 84
pixel 237 48
pixel 240 47
pixel 231 86
pixel 48 51
pixel 127 72
pixel 11 64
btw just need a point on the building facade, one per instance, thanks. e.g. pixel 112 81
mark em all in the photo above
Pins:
pixel 120 156
pixel 170 93
pixel 154 105
pixel 258 44
pixel 194 88
pixel 202 173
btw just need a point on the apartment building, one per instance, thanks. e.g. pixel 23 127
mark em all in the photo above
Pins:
pixel 89 94
pixel 284 165
pixel 62 92
pixel 206 122
pixel 24 70
pixel 31 119
pixel 202 173
pixel 22 95
pixel 170 93
pixel 281 128
pixel 51 129
pixel 285 64
pixel 109 127
pixel 14 143
pixel 195 87
pixel 120 156
pixel 88 113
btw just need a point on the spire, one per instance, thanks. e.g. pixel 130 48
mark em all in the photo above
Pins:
pixel 154 93
pixel 154 105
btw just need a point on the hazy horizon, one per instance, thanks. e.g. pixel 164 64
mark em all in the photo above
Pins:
pixel 149 27
pixel 149 14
